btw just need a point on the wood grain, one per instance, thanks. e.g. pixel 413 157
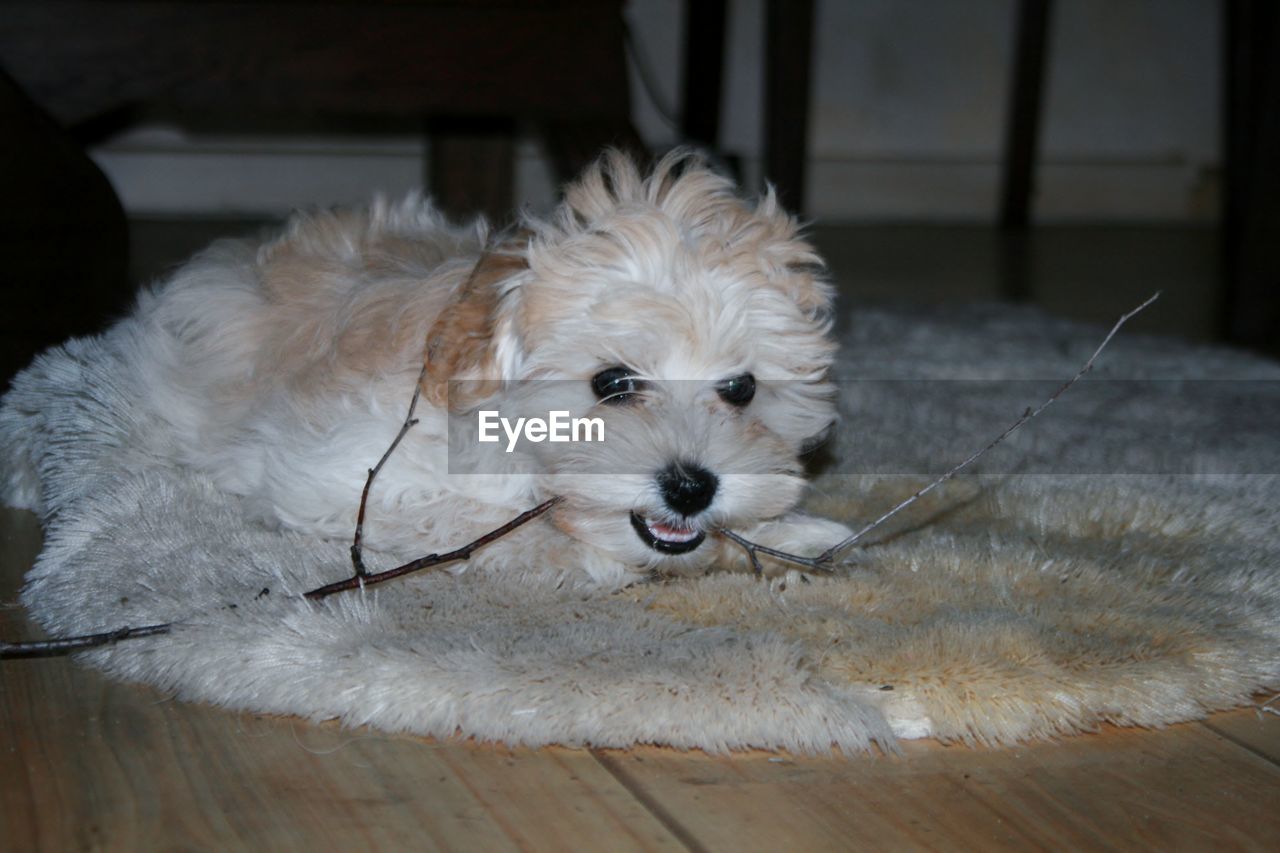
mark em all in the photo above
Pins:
pixel 1252 729
pixel 135 769
pixel 1181 788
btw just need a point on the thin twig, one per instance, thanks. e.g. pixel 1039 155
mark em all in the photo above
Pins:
pixel 360 579
pixel 823 560
pixel 357 541
pixel 754 550
pixel 830 553
pixel 67 645
pixel 431 560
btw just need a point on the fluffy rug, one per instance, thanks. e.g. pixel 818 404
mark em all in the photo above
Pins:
pixel 1116 561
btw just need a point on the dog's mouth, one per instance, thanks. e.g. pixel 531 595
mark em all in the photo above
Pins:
pixel 667 538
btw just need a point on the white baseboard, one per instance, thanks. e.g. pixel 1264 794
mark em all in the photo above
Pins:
pixel 161 173
pixel 968 191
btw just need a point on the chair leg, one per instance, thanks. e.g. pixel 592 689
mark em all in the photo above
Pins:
pixel 471 169
pixel 572 145
pixel 1251 197
pixel 1021 145
pixel 788 55
pixel 1022 122
pixel 704 37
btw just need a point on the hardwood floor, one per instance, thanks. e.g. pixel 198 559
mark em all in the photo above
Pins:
pixel 88 763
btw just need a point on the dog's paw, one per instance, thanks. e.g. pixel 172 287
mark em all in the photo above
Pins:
pixel 602 571
pixel 800 535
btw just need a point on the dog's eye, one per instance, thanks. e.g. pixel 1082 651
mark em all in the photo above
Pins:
pixel 616 385
pixel 737 391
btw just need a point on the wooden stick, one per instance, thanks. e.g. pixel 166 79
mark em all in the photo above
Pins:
pixel 357 541
pixel 359 581
pixel 754 550
pixel 67 645
pixel 823 560
pixel 360 578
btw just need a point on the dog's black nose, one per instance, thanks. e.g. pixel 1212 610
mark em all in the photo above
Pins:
pixel 687 489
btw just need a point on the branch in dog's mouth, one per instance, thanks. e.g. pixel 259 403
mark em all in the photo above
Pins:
pixel 824 561
pixel 817 565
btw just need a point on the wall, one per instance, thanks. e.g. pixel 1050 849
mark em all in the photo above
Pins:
pixel 908 106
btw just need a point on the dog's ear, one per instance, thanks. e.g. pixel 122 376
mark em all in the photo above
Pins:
pixel 462 366
pixel 806 282
pixel 794 265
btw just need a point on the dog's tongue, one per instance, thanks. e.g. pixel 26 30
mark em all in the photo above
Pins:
pixel 670 532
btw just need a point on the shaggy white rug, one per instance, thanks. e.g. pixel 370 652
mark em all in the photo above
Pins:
pixel 1115 561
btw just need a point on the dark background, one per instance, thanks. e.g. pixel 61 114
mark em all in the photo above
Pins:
pixel 478 80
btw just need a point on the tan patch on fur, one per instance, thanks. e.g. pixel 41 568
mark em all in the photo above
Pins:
pixel 460 343
pixel 344 299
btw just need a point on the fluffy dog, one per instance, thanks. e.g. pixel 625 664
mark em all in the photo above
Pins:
pixel 691 323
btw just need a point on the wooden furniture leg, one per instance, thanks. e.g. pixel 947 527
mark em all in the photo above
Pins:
pixel 571 145
pixel 471 168
pixel 1251 201
pixel 704 29
pixel 788 39
pixel 1021 144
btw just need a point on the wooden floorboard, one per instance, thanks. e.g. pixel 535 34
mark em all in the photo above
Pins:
pixel 1257 730
pixel 131 769
pixel 85 762
pixel 1181 788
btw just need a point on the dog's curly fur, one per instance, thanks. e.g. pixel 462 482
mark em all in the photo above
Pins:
pixel 285 367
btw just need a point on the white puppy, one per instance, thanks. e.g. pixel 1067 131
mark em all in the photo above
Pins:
pixel 691 323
